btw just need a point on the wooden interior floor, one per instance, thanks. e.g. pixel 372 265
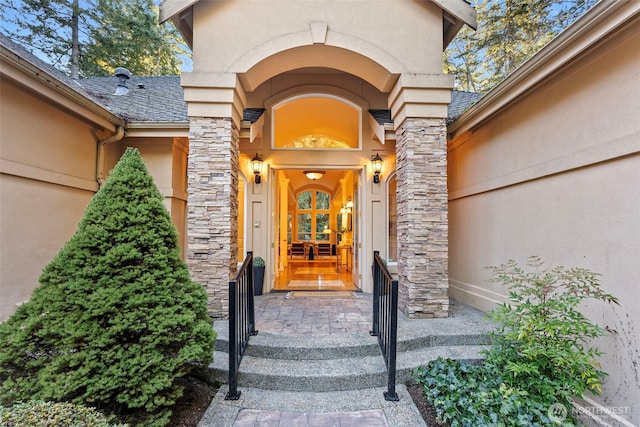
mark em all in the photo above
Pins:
pixel 316 275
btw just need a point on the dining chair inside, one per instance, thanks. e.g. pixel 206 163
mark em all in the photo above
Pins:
pixel 298 249
pixel 324 249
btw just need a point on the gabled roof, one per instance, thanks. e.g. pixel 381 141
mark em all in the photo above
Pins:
pixel 455 14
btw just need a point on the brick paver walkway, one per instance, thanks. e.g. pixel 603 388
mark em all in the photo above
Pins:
pixel 278 314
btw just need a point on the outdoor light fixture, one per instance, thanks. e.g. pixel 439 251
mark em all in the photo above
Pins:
pixel 256 166
pixel 314 175
pixel 376 165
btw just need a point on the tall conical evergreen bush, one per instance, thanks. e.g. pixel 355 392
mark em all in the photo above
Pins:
pixel 116 320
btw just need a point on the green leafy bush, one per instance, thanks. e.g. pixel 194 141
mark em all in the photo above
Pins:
pixel 541 353
pixel 258 262
pixel 52 414
pixel 116 320
pixel 472 395
pixel 543 340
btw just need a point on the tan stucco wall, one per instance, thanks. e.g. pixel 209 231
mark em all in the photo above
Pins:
pixel 556 174
pixel 47 177
pixel 408 35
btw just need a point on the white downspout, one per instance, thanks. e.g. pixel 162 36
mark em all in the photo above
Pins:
pixel 101 144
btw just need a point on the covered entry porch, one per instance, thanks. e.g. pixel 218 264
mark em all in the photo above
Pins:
pixel 392 97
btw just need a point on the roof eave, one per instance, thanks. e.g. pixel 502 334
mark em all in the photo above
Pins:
pixel 181 14
pixel 38 80
pixel 157 129
pixel 460 10
pixel 170 8
pixel 568 45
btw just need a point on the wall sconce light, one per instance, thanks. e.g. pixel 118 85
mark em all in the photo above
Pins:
pixel 314 175
pixel 376 165
pixel 348 207
pixel 256 166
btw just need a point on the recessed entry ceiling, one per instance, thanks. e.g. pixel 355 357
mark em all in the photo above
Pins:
pixel 316 122
pixel 330 181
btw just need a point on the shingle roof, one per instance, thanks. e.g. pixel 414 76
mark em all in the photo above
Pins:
pixel 381 116
pixel 252 114
pixel 460 102
pixel 150 98
pixel 157 99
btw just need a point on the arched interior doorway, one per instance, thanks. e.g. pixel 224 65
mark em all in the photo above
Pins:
pixel 314 222
pixel 308 200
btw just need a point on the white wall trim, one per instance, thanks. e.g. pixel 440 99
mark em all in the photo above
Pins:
pixel 474 295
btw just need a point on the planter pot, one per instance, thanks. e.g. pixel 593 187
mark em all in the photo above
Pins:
pixel 258 280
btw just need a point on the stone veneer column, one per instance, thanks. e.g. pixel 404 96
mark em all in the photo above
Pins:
pixel 421 149
pixel 212 208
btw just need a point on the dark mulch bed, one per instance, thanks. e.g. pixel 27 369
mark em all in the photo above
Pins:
pixel 427 411
pixel 197 397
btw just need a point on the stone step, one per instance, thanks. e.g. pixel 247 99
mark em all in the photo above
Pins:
pixel 342 362
pixel 337 374
pixel 334 404
pixel 321 347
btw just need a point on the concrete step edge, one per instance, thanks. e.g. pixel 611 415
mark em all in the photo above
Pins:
pixel 334 374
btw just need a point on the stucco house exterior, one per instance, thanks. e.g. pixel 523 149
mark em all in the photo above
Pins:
pixel 547 163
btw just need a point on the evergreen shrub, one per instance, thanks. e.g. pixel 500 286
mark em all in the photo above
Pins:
pixel 52 414
pixel 116 320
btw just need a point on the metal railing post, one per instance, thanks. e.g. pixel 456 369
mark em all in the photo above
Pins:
pixel 385 320
pixel 241 321
pixel 233 393
pixel 375 329
pixel 391 394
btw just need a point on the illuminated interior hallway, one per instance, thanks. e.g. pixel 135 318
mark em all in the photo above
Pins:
pixel 316 275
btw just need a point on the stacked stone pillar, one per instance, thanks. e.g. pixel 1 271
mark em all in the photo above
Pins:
pixel 419 108
pixel 422 218
pixel 212 207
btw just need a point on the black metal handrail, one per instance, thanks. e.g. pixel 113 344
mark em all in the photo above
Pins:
pixel 385 320
pixel 242 323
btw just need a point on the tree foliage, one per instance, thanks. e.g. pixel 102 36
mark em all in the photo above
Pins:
pixel 509 32
pixel 116 320
pixel 88 38
pixel 130 36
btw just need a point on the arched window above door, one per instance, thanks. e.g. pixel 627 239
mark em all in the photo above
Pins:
pixel 316 122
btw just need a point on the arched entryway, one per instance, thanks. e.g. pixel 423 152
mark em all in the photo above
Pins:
pixel 315 228
pixel 337 58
